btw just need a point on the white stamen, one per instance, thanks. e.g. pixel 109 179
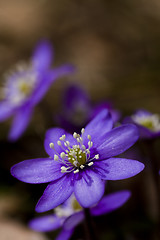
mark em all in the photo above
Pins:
pixel 90 144
pixel 63 137
pixel 68 143
pixel 82 166
pixel 63 169
pixel 51 145
pixel 96 156
pixel 63 155
pixel 76 171
pixel 89 137
pixel 90 164
pixel 82 131
pixel 59 143
pixel 56 158
pixel 75 135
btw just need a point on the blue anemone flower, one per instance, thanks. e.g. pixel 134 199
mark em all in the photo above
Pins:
pixel 70 214
pixel 26 86
pixel 81 163
pixel 147 122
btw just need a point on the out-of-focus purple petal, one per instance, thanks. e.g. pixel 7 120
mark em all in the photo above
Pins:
pixel 61 71
pixel 65 234
pixel 42 56
pixel 107 105
pixel 6 110
pixel 73 220
pixel 118 168
pixel 52 136
pixel 47 78
pixel 118 140
pixel 20 123
pixel 45 223
pixel 39 170
pixel 110 202
pixel 89 189
pixel 74 97
pixel 98 127
pixel 55 194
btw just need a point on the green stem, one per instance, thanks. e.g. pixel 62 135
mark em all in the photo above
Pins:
pixel 90 234
pixel 155 173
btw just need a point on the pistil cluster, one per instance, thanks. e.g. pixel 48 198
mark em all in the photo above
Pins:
pixel 76 157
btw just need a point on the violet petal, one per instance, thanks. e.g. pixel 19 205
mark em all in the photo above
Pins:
pixel 55 194
pixel 6 110
pixel 118 140
pixel 65 234
pixel 89 189
pixel 40 170
pixel 42 56
pixel 20 123
pixel 73 220
pixel 110 202
pixel 98 127
pixel 118 168
pixel 45 223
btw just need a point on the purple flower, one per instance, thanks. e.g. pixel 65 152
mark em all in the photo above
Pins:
pixel 80 164
pixel 77 109
pixel 70 214
pixel 24 88
pixel 148 123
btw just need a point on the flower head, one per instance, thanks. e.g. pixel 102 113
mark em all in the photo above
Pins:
pixel 24 87
pixel 81 163
pixel 70 214
pixel 148 123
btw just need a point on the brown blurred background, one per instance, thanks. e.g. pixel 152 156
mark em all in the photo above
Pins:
pixel 115 46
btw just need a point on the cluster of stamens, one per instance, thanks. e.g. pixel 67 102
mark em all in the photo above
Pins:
pixel 70 207
pixel 20 83
pixel 74 157
pixel 151 121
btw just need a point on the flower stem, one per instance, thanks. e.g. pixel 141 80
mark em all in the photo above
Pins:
pixel 90 234
pixel 155 172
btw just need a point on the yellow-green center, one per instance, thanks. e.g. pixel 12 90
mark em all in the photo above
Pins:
pixel 75 205
pixel 25 88
pixel 76 155
pixel 148 124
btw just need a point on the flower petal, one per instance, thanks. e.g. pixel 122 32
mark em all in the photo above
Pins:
pixel 110 202
pixel 47 78
pixel 65 234
pixel 20 123
pixel 45 223
pixel 73 96
pixel 98 127
pixel 118 168
pixel 52 136
pixel 42 56
pixel 73 220
pixel 118 140
pixel 6 110
pixel 40 170
pixel 89 189
pixel 55 194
